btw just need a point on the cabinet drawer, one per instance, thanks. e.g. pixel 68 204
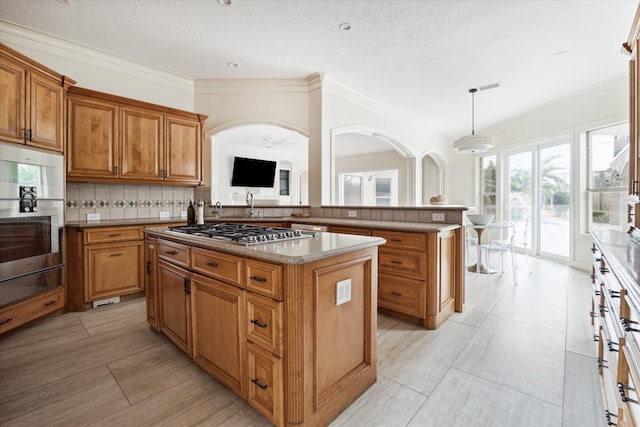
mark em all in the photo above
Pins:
pixel 264 323
pixel 350 230
pixel 175 253
pixel 214 264
pixel 112 234
pixel 402 239
pixel 23 312
pixel 265 390
pixel 403 295
pixel 406 263
pixel 263 278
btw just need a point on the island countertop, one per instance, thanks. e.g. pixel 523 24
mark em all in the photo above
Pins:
pixel 300 251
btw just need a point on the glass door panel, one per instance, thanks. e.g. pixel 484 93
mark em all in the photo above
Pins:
pixel 554 200
pixel 521 196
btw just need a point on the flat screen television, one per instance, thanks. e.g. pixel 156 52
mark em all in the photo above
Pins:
pixel 253 172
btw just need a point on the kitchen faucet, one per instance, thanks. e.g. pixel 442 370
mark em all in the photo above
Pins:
pixel 217 210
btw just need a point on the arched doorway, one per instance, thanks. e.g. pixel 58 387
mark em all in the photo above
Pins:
pixel 369 168
pixel 259 141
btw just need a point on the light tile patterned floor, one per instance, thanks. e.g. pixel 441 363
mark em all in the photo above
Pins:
pixel 518 356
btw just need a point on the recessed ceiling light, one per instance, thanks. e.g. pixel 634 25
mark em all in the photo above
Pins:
pixel 224 2
pixel 345 26
pixel 232 65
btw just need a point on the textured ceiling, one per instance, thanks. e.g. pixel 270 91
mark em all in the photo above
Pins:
pixel 419 57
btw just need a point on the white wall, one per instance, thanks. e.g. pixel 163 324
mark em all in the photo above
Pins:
pixel 97 70
pixel 344 107
pixel 230 103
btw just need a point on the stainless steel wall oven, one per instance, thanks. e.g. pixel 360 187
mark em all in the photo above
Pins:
pixel 31 222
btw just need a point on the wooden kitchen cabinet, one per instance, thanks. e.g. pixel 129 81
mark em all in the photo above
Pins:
pixel 420 277
pixel 271 332
pixel 32 102
pixel 103 262
pixel 183 150
pixel 174 295
pixel 92 149
pixel 114 269
pixel 218 317
pixel 33 308
pixel 265 383
pixel 111 138
pixel 150 281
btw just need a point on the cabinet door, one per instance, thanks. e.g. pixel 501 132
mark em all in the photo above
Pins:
pixel 12 101
pixel 265 388
pixel 113 269
pixel 183 145
pixel 91 139
pixel 218 336
pixel 45 108
pixel 141 154
pixel 175 305
pixel 150 284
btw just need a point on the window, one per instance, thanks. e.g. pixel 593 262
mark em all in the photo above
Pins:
pixel 488 184
pixel 284 182
pixel 383 191
pixel 376 188
pixel 352 190
pixel 608 176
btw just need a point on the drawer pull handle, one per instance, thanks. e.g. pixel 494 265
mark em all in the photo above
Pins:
pixel 258 279
pixel 608 416
pixel 49 303
pixel 398 294
pixel 258 324
pixel 396 240
pixel 115 235
pixel 171 252
pixel 211 264
pixel 396 262
pixel 256 381
pixel 621 389
pixel 149 269
pixel 610 344
pixel 118 254
pixel 601 363
pixel 6 320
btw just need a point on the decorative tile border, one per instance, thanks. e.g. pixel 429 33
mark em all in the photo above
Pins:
pixel 84 204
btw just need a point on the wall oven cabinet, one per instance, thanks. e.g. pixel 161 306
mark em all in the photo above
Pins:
pixel 31 225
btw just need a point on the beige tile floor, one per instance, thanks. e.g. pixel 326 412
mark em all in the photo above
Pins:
pixel 518 356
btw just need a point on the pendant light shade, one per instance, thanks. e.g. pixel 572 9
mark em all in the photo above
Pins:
pixel 473 143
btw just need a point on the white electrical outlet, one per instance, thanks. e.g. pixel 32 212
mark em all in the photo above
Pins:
pixel 353 214
pixel 343 291
pixel 164 214
pixel 183 214
pixel 437 217
pixel 93 217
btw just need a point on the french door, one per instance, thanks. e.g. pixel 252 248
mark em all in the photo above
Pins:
pixel 538 182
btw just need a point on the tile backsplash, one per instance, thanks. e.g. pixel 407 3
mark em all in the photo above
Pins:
pixel 125 201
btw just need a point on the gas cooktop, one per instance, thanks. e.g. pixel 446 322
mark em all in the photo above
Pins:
pixel 242 234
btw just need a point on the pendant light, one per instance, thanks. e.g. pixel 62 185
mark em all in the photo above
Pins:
pixel 473 143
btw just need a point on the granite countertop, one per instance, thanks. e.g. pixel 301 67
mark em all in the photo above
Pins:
pixel 388 225
pixel 622 252
pixel 300 251
pixel 124 222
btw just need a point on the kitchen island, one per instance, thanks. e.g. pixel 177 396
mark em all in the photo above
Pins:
pixel 289 326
